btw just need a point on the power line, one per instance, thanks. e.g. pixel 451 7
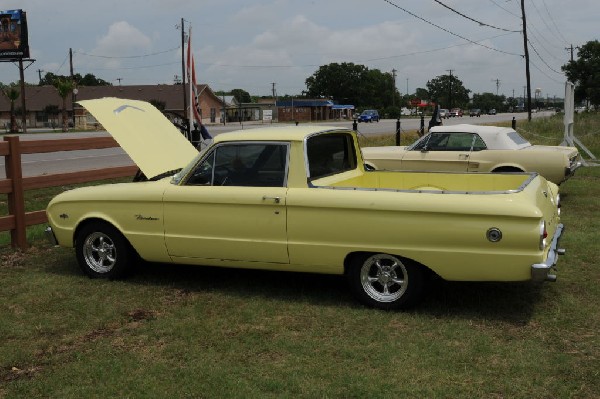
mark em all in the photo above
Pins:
pixel 472 19
pixel 544 21
pixel 510 12
pixel 553 21
pixel 540 57
pixel 447 31
pixel 129 56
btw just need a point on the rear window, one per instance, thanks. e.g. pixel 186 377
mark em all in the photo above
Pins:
pixel 517 139
pixel 329 154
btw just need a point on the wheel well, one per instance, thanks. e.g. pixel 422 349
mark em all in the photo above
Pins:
pixel 505 169
pixel 351 257
pixel 89 221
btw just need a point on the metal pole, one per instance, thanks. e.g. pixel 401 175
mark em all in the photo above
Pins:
pixel 24 109
pixel 398 132
pixel 184 119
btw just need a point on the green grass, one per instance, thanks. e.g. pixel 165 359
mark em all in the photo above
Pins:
pixel 177 331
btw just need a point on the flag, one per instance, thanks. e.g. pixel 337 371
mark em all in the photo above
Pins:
pixel 194 110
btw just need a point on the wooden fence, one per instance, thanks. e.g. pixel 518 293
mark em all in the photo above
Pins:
pixel 15 185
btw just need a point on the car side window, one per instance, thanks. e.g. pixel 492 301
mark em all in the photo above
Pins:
pixel 243 164
pixel 459 142
pixel 479 144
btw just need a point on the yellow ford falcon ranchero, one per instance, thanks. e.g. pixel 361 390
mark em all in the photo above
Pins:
pixel 298 198
pixel 474 148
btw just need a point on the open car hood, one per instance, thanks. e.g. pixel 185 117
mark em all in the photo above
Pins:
pixel 144 133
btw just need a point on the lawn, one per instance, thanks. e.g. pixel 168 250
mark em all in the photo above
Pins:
pixel 176 331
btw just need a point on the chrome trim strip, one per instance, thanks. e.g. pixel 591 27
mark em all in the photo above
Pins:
pixel 517 190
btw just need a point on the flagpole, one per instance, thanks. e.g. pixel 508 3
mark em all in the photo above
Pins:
pixel 190 81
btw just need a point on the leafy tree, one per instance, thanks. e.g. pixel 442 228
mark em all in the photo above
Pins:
pixel 449 91
pixel 487 101
pixel 64 88
pixel 422 94
pixel 12 92
pixel 349 83
pixel 585 73
pixel 241 96
pixel 87 80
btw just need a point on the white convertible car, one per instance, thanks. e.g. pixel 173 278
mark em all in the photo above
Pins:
pixel 474 148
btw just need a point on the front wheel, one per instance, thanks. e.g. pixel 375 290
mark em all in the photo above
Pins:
pixel 385 281
pixel 102 251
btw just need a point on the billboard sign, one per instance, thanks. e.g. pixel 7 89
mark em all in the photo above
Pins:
pixel 13 34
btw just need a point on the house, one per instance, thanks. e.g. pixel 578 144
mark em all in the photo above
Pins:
pixel 44 105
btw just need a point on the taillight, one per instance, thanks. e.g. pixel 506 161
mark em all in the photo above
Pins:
pixel 558 203
pixel 543 235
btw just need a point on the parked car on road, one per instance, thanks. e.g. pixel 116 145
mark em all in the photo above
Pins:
pixel 444 113
pixel 455 112
pixel 369 115
pixel 475 112
pixel 474 148
pixel 492 112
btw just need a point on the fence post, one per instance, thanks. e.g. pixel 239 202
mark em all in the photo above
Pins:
pixel 16 198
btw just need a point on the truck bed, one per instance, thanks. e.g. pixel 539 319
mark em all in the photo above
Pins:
pixel 431 182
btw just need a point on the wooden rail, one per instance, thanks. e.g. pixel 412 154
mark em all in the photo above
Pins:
pixel 15 185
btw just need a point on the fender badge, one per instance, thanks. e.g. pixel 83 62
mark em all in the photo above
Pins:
pixel 545 194
pixel 142 217
pixel 63 216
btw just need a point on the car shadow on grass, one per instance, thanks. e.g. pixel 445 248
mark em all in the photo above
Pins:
pixel 508 302
pixel 512 303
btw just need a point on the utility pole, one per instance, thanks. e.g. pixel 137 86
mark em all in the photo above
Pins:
pixel 184 119
pixel 526 61
pixel 394 87
pixel 571 50
pixel 450 89
pixel 39 71
pixel 274 91
pixel 74 91
pixel 497 84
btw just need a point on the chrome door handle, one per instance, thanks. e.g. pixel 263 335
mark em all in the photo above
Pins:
pixel 276 199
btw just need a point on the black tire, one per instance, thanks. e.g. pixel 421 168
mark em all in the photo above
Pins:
pixel 103 252
pixel 386 281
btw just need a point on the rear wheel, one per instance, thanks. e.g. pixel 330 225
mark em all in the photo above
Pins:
pixel 102 251
pixel 385 281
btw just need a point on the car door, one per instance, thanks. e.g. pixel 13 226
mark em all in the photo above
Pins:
pixel 442 151
pixel 231 206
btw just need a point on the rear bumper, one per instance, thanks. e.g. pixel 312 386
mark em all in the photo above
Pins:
pixel 542 271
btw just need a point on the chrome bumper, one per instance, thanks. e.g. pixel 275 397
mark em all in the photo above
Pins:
pixel 541 271
pixel 50 236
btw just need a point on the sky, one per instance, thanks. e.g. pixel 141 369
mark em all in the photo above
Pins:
pixel 258 45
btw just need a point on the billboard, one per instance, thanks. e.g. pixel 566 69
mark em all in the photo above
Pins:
pixel 13 34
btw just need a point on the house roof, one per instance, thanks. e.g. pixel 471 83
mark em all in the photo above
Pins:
pixel 38 97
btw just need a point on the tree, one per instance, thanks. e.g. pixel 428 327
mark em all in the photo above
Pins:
pixel 349 83
pixel 449 91
pixel 12 92
pixel 64 88
pixel 87 80
pixel 585 73
pixel 487 101
pixel 241 96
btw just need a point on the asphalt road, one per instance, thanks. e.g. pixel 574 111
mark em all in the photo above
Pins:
pixel 69 161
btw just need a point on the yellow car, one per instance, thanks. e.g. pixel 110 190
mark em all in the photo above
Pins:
pixel 298 198
pixel 474 148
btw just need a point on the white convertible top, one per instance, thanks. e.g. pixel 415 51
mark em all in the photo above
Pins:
pixel 495 137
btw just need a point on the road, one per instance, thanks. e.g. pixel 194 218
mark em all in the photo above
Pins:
pixel 69 161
